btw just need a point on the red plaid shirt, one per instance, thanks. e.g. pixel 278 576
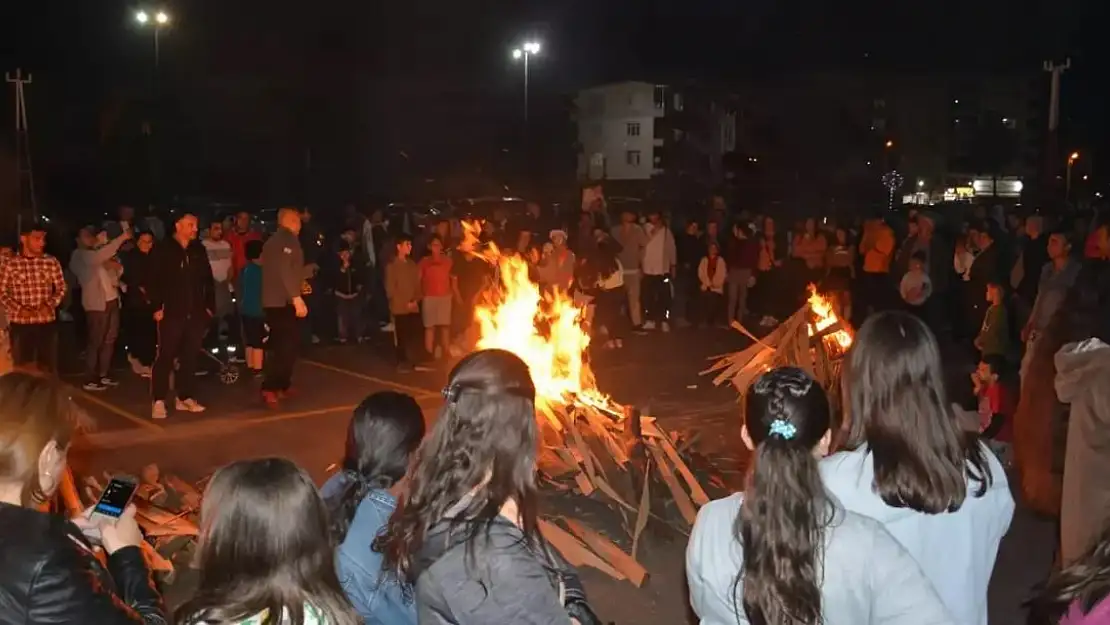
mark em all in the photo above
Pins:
pixel 32 288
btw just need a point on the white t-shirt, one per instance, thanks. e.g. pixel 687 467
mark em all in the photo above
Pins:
pixel 219 256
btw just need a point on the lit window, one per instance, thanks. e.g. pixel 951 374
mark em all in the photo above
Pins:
pixel 660 96
pixel 633 129
pixel 678 101
pixel 632 157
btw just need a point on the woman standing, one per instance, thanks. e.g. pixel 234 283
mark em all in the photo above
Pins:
pixel 769 295
pixel 384 432
pixel 938 490
pixel 50 572
pixel 466 532
pixel 784 551
pixel 264 551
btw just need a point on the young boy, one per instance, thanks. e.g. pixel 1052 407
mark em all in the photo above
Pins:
pixel 249 288
pixel 994 336
pixel 402 288
pixel 996 404
pixel 916 286
pixel 348 290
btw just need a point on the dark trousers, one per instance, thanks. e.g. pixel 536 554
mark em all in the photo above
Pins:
pixel 348 313
pixel 409 337
pixel 609 312
pixel 140 333
pixel 711 308
pixel 103 327
pixel 875 293
pixel 656 293
pixel 179 339
pixel 284 347
pixel 35 344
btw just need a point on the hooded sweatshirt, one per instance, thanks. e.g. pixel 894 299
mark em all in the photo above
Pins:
pixel 1083 380
pixel 955 550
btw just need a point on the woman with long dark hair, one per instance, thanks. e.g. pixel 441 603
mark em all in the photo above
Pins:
pixel 609 293
pixel 264 551
pixel 384 432
pixel 1077 594
pixel 907 464
pixel 784 551
pixel 465 532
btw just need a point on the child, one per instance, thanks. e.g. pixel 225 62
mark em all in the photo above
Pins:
pixel 402 288
pixel 435 284
pixel 711 275
pixel 249 288
pixel 994 336
pixel 348 288
pixel 916 286
pixel 996 404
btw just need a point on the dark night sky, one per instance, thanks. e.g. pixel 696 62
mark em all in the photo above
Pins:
pixel 322 54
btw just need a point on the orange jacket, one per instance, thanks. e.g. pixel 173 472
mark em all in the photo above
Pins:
pixel 877 248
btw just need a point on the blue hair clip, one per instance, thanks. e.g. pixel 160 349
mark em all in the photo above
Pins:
pixel 783 429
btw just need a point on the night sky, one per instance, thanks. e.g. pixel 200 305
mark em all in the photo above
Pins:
pixel 358 82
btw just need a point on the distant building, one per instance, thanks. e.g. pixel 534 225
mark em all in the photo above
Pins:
pixel 652 137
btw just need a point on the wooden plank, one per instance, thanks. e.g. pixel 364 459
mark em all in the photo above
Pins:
pixel 697 493
pixel 681 499
pixel 642 514
pixel 626 564
pixel 585 486
pixel 576 553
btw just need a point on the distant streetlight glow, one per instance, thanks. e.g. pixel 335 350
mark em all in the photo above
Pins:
pixel 141 17
pixel 1074 156
pixel 161 17
pixel 518 53
pixel 889 144
pixel 160 20
pixel 920 183
pixel 526 51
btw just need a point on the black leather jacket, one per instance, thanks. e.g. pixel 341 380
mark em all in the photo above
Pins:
pixel 49 576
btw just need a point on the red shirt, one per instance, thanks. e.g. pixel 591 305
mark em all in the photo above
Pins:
pixel 239 248
pixel 1002 407
pixel 435 276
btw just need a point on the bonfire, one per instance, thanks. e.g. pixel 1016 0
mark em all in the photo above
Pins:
pixel 814 338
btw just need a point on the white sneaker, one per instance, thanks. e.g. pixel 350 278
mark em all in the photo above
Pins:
pixel 666 327
pixel 189 405
pixel 158 411
pixel 387 327
pixel 649 325
pixel 144 372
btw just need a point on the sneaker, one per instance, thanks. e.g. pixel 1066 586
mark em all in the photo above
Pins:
pixel 238 360
pixel 387 327
pixel 145 372
pixel 271 400
pixel 315 340
pixel 158 410
pixel 189 405
pixel 94 385
pixel 648 325
pixel 109 381
pixel 423 368
pixel 665 327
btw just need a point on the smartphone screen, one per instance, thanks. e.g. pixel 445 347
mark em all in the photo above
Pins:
pixel 115 498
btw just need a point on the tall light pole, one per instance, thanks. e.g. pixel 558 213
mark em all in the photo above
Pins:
pixel 526 52
pixel 1074 156
pixel 158 20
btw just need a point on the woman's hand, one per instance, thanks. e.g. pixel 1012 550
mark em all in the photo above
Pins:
pixel 123 532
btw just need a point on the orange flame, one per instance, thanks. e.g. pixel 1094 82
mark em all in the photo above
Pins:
pixel 547 330
pixel 825 318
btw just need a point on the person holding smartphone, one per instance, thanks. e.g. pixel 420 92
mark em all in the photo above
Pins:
pixel 51 573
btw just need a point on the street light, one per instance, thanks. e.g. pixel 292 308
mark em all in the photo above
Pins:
pixel 889 144
pixel 1067 183
pixel 160 19
pixel 526 52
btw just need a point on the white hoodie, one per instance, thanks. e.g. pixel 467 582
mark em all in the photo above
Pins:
pixel 955 550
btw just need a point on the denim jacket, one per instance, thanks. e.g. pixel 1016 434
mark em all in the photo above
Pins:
pixel 377 597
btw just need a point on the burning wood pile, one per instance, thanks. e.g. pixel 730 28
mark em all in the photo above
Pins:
pixel 591 445
pixel 814 339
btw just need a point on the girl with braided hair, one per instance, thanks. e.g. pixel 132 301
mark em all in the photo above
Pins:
pixel 466 532
pixel 784 552
pixel 384 433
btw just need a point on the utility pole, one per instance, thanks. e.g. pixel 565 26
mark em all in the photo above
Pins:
pixel 1052 139
pixel 23 146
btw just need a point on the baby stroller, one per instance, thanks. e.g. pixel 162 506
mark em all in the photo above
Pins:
pixel 227 372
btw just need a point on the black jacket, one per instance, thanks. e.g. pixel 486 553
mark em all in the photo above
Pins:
pixel 138 275
pixel 50 577
pixel 181 280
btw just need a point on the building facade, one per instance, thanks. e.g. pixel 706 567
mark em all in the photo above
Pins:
pixel 652 134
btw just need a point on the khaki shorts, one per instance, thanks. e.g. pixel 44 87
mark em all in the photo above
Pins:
pixel 437 311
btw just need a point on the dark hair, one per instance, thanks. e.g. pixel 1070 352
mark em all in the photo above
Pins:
pixel 253 249
pixel 480 453
pixel 781 525
pixel 384 431
pixel 1082 314
pixel 998 364
pixel 400 238
pixel 920 256
pixel 264 547
pixel 898 408
pixel 1086 581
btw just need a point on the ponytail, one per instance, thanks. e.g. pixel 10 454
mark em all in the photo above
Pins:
pixel 781 527
pixel 343 505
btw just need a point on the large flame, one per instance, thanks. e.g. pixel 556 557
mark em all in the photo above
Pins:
pixel 825 317
pixel 546 329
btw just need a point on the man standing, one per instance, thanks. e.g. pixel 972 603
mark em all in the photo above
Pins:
pixel 31 288
pixel 238 237
pixel 98 272
pixel 660 258
pixel 1056 278
pixel 632 239
pixel 284 274
pixel 877 249
pixel 182 296
pixel 220 258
